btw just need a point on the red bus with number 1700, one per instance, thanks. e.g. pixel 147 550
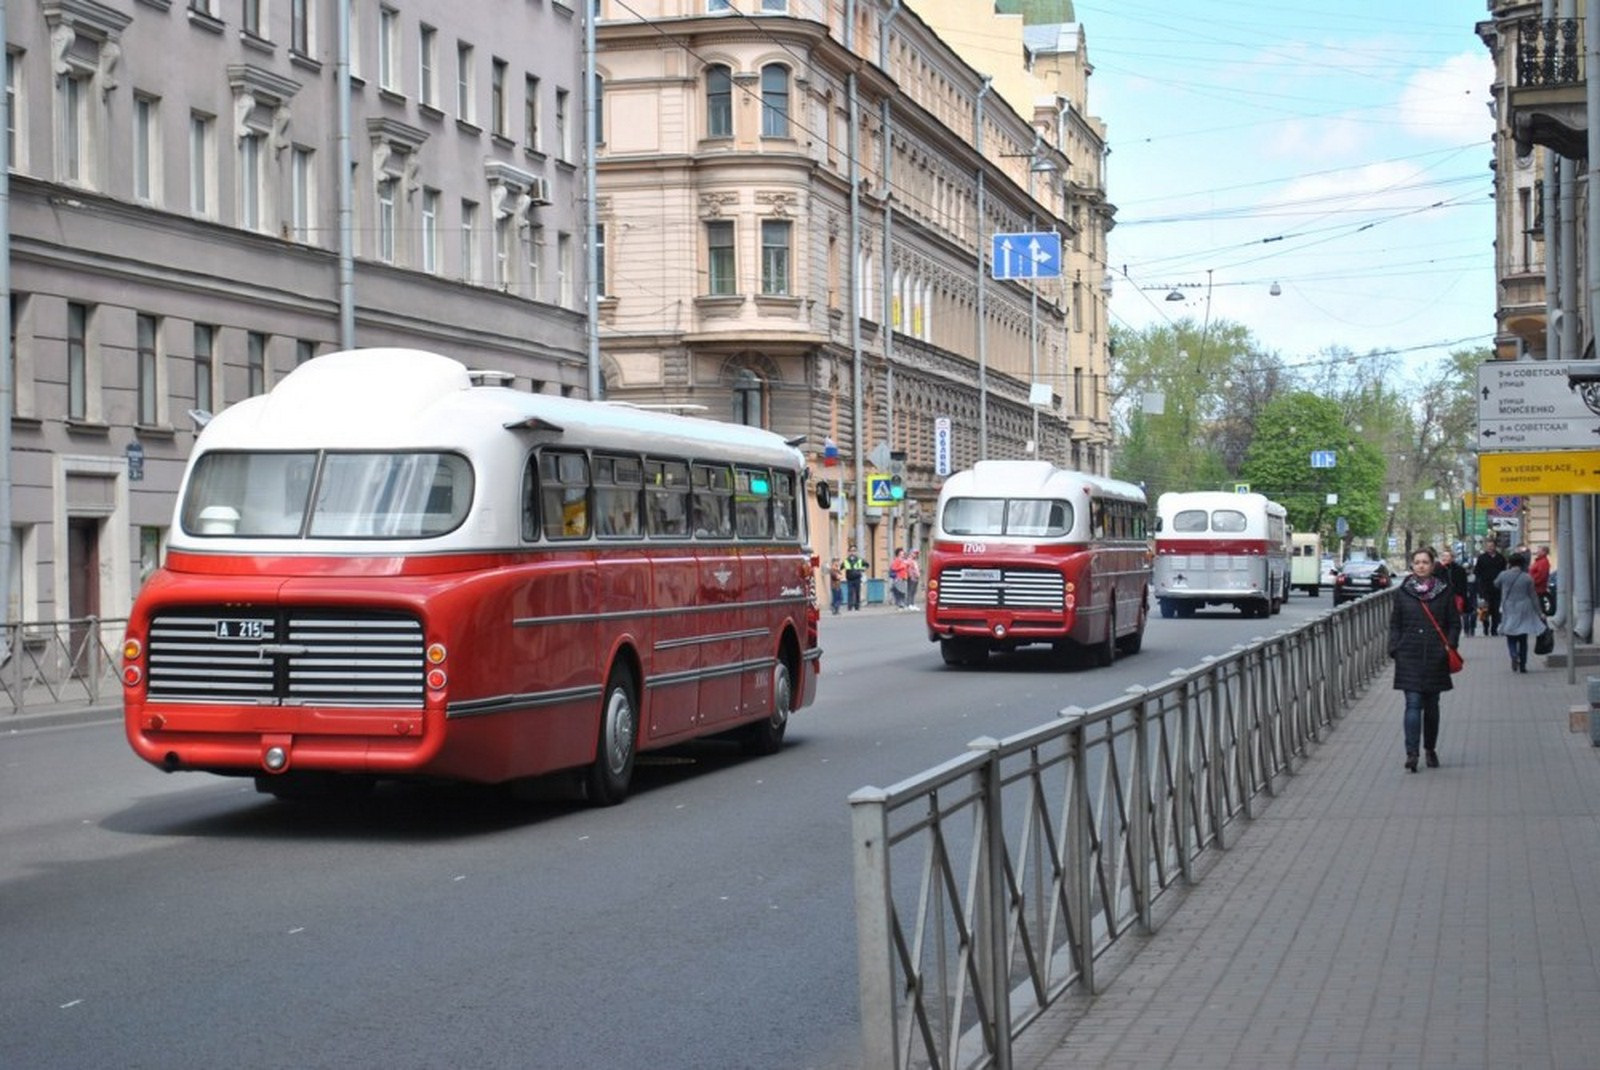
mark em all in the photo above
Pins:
pixel 392 567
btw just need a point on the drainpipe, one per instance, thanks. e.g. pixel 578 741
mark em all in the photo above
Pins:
pixel 887 134
pixel 983 332
pixel 347 258
pixel 5 361
pixel 1581 566
pixel 591 143
pixel 855 284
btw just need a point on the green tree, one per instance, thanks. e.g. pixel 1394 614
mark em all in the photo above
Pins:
pixel 1278 464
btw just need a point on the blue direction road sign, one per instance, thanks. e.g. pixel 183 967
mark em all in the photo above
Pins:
pixel 1323 459
pixel 1027 256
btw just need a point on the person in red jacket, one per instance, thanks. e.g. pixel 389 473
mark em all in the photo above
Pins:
pixel 1539 573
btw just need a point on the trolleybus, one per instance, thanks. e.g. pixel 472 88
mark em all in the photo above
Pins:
pixel 1026 553
pixel 392 567
pixel 1215 548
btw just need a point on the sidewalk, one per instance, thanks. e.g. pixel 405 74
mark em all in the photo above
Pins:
pixel 1370 917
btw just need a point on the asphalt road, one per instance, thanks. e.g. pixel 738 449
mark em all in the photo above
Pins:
pixel 165 921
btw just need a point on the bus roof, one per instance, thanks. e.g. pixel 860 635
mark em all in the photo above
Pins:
pixel 1174 500
pixel 1033 479
pixel 385 399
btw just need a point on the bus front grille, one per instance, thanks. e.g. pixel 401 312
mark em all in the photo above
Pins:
pixel 263 656
pixel 1013 588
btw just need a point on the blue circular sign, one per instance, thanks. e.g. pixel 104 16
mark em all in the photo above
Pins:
pixel 1507 504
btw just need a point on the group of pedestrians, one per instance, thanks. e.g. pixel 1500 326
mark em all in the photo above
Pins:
pixel 1433 607
pixel 845 579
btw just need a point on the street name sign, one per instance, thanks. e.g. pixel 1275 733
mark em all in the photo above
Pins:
pixel 1027 256
pixel 1531 405
pixel 1564 472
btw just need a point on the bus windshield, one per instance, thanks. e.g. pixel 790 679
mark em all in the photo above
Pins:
pixel 1020 517
pixel 327 495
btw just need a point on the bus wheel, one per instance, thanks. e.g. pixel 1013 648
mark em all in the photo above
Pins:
pixel 1169 609
pixel 767 736
pixel 966 652
pixel 1132 644
pixel 307 786
pixel 1105 652
pixel 609 776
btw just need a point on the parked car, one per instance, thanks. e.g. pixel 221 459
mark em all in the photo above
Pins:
pixel 1360 577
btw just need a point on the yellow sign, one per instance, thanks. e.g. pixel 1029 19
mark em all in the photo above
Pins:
pixel 1556 472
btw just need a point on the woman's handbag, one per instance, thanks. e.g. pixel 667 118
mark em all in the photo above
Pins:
pixel 1545 642
pixel 1452 655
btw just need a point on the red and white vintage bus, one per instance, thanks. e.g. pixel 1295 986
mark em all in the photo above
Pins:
pixel 1214 548
pixel 1025 552
pixel 390 566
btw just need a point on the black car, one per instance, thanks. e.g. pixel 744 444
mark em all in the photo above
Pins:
pixel 1356 578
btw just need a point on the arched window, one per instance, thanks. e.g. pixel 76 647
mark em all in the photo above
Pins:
pixel 774 100
pixel 719 101
pixel 749 399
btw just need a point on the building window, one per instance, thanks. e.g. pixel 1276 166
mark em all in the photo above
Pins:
pixel 430 231
pixel 77 361
pixel 204 368
pixel 149 551
pixel 505 236
pixel 719 101
pixel 73 94
pixel 535 262
pixel 499 124
pixel 303 351
pixel 353 7
pixel 464 109
pixel 386 224
pixel 564 272
pixel 302 194
pixel 428 62
pixel 719 258
pixel 469 241
pixel 600 259
pixel 719 7
pixel 255 365
pixel 250 18
pixel 146 149
pixel 14 104
pixel 749 399
pixel 775 235
pixel 774 7
pixel 774 101
pixel 389 49
pixel 149 334
pixel 599 110
pixel 251 177
pixel 563 128
pixel 300 16
pixel 202 166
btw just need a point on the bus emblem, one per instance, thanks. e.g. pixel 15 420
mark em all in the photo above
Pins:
pixel 722 576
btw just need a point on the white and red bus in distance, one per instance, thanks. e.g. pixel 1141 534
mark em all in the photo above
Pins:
pixel 392 567
pixel 1214 548
pixel 1027 553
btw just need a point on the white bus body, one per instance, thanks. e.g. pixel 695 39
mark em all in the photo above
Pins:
pixel 1216 548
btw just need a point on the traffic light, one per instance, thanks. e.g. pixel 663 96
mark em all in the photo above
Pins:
pixel 897 475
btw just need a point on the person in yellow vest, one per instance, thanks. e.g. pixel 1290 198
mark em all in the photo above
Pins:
pixel 855 570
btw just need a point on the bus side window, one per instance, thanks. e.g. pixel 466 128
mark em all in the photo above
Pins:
pixel 752 504
pixel 713 501
pixel 564 495
pixel 666 498
pixel 530 500
pixel 783 497
pixel 616 496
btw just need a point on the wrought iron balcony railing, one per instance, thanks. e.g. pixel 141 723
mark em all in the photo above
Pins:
pixel 1549 53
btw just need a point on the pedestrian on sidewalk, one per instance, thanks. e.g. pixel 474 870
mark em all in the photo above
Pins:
pixel 836 585
pixel 1423 627
pixel 855 570
pixel 897 578
pixel 913 576
pixel 1539 572
pixel 1520 612
pixel 1486 570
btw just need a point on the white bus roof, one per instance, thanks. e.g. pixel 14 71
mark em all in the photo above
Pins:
pixel 1174 500
pixel 1032 479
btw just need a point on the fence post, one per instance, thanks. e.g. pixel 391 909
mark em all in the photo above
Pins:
pixel 989 925
pixel 875 969
pixel 1183 779
pixel 1139 810
pixel 1080 852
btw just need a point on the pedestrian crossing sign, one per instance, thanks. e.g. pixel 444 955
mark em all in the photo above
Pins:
pixel 880 490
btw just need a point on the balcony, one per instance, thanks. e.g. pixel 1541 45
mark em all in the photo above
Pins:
pixel 1547 101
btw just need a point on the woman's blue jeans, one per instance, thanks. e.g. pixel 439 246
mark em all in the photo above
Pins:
pixel 1422 719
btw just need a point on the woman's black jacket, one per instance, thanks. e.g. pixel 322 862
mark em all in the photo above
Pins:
pixel 1419 655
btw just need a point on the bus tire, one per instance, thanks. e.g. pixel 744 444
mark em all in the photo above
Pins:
pixel 968 653
pixel 766 736
pixel 313 786
pixel 608 778
pixel 1105 652
pixel 1169 608
pixel 1132 644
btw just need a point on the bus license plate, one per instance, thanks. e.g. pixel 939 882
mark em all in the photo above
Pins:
pixel 982 575
pixel 241 629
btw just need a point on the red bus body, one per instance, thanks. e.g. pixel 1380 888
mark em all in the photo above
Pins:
pixel 1027 553
pixel 484 663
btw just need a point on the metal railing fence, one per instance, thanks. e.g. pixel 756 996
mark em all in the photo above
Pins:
pixel 990 885
pixel 52 663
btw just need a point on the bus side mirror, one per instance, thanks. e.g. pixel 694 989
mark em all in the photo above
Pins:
pixel 824 495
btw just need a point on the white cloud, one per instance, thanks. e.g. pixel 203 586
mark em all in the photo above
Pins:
pixel 1449 103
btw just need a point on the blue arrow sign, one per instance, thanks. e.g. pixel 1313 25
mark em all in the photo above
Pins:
pixel 1027 256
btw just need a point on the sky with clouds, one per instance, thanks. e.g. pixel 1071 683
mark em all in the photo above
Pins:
pixel 1338 149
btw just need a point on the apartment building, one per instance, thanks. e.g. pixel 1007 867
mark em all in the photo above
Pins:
pixel 798 205
pixel 177 227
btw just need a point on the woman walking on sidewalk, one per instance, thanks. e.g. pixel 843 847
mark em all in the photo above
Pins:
pixel 1520 613
pixel 1423 628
